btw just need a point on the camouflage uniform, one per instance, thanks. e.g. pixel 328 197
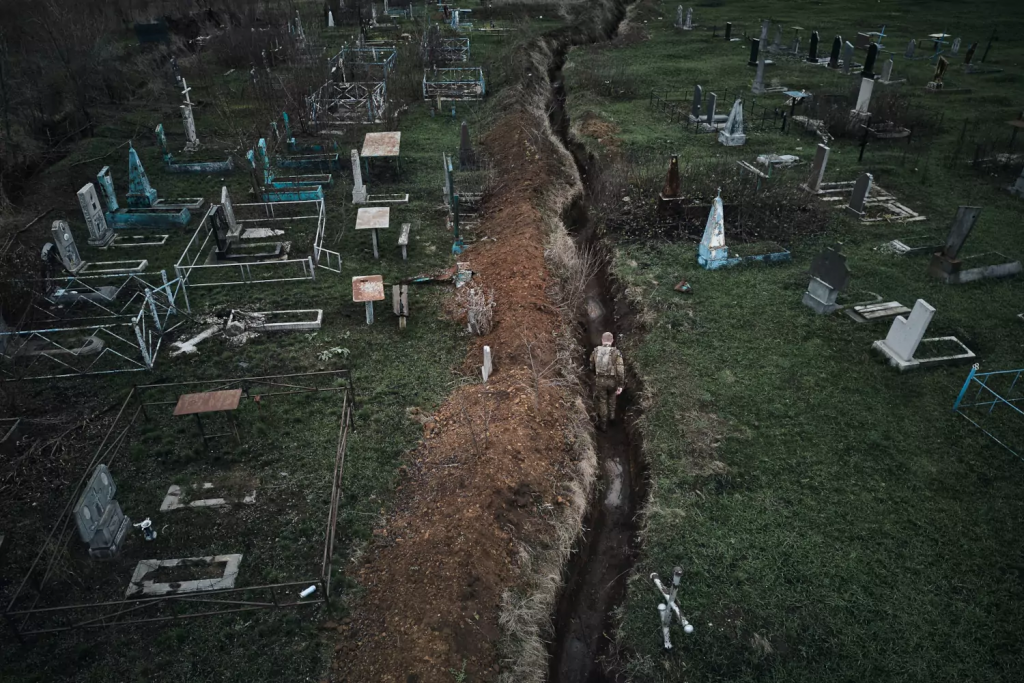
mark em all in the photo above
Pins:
pixel 606 362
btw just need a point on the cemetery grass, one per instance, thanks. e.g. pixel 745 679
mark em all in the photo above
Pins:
pixel 833 518
pixel 288 450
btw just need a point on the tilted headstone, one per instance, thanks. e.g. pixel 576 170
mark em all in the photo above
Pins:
pixel 698 93
pixel 906 333
pixel 847 57
pixel 869 61
pixel 712 244
pixel 467 157
pixel 812 55
pixel 709 109
pixel 861 189
pixel 818 169
pixel 829 276
pixel 359 194
pixel 969 56
pixel 229 212
pixel 67 250
pixel 963 224
pixel 955 48
pixel 100 234
pixel 732 135
pixel 192 143
pixel 755 46
pixel 911 48
pixel 867 86
pixel 226 239
pixel 758 87
pixel 940 71
pixel 98 516
pixel 837 47
pixel 106 184
pixel 671 188
pixel 887 71
pixel 140 194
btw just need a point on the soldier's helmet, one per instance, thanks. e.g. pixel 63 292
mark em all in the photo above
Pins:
pixel 607 338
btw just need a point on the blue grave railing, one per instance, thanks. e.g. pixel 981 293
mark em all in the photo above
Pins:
pixel 994 402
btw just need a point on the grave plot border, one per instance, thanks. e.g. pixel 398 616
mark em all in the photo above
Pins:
pixel 370 58
pixel 454 83
pixel 346 104
pixel 132 332
pixel 992 399
pixel 241 273
pixel 32 620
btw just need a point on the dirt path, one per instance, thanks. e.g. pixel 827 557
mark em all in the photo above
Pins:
pixel 483 479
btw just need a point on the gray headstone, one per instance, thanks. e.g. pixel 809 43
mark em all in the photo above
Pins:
pixel 732 135
pixel 758 87
pixel 861 189
pixel 755 47
pixel 698 93
pixel 359 194
pixel 67 250
pixel 847 57
pixel 829 266
pixel 765 25
pixel 100 234
pixel 818 168
pixel 812 55
pixel 229 212
pixel 709 110
pixel 777 42
pixel 911 47
pixel 955 49
pixel 966 217
pixel 837 47
pixel 98 494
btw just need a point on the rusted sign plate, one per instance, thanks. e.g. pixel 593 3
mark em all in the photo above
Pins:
pixel 367 288
pixel 374 218
pixel 382 144
pixel 208 402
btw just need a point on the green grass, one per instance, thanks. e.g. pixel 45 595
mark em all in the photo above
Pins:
pixel 834 520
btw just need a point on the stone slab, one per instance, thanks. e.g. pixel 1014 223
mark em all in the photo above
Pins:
pixel 140 586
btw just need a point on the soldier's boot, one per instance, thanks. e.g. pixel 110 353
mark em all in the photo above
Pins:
pixel 601 406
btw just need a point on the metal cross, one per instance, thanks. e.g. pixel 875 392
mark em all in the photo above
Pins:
pixel 669 607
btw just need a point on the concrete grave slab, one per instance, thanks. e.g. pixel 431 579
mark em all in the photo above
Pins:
pixel 866 313
pixel 903 345
pixel 227 565
pixel 300 320
pixel 176 498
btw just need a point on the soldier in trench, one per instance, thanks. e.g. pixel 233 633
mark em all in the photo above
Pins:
pixel 606 361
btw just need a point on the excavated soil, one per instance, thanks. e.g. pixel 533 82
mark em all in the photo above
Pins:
pixel 484 477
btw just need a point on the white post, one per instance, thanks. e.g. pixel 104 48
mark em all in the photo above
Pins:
pixel 359 194
pixel 487 367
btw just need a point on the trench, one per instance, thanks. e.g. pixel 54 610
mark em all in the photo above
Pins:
pixel 595 580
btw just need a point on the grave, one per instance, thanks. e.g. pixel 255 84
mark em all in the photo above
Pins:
pixel 903 247
pixel 100 234
pixel 860 194
pixel 829 277
pixel 670 608
pixel 837 47
pixel 67 250
pixel 178 499
pixel 732 134
pixel 99 518
pixel 812 55
pixel 300 320
pixel 758 87
pixel 873 312
pixel 813 183
pixel 713 252
pixel 906 348
pixel 185 575
pixel 190 124
pixel 366 289
pixel 848 63
pixel 400 303
pixel 950 268
pixel 454 84
pixel 862 110
pixel 145 210
pixel 869 62
pixel 911 48
pixel 190 166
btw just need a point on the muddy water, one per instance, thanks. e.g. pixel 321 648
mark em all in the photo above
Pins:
pixel 596 577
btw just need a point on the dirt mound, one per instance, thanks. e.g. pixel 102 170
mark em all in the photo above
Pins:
pixel 481 482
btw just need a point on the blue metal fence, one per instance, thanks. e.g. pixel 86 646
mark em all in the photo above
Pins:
pixel 996 405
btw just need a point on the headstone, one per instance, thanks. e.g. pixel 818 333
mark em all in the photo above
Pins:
pixel 869 61
pixel 754 48
pixel 906 333
pixel 679 16
pixel 400 301
pixel 940 71
pixel 970 53
pixel 67 250
pixel 955 48
pixel 100 234
pixel 107 189
pixel 763 39
pixel 688 26
pixel 777 41
pixel 359 194
pixel 728 30
pixel 698 93
pixel 190 124
pixel 732 135
pixel 829 276
pixel 963 224
pixel 867 86
pixel 229 212
pixel 712 245
pixel 861 189
pixel 487 367
pixel 818 169
pixel 911 48
pixel 140 194
pixel 709 109
pixel 847 57
pixel 812 55
pixel 837 47
pixel 887 71
pixel 98 516
pixel 176 71
pixel 467 158
pixel 758 87
pixel 330 19
pixel 671 188
pixel 161 139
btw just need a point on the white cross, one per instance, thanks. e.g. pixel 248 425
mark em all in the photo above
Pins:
pixel 185 92
pixel 669 607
